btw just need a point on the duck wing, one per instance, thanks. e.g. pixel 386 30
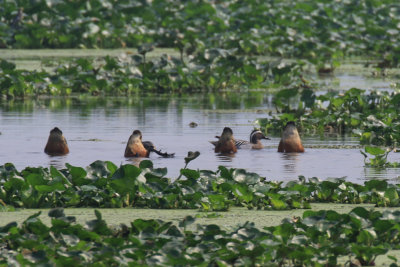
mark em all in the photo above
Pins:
pixel 239 142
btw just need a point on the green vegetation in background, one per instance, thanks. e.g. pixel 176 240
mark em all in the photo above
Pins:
pixel 102 184
pixel 320 31
pixel 208 71
pixel 373 116
pixel 322 238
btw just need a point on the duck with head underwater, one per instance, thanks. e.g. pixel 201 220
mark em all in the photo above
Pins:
pixel 226 143
pixel 290 141
pixel 138 148
pixel 56 144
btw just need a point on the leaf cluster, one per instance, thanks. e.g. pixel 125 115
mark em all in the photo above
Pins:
pixel 320 31
pixel 380 157
pixel 319 238
pixel 373 116
pixel 210 70
pixel 102 184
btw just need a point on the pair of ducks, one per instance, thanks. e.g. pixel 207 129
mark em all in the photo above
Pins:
pixel 226 144
pixel 290 141
pixel 57 145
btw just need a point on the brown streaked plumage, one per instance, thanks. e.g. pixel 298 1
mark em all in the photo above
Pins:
pixel 56 144
pixel 226 143
pixel 135 147
pixel 290 141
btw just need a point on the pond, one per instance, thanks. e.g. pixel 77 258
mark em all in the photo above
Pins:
pixel 98 129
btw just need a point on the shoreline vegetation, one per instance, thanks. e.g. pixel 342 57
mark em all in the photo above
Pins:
pixel 104 185
pixel 360 237
pixel 208 47
pixel 311 30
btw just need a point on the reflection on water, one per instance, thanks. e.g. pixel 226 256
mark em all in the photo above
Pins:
pixel 56 161
pixel 290 162
pixel 99 129
pixel 225 157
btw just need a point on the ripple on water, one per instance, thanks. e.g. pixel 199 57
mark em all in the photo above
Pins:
pixel 101 133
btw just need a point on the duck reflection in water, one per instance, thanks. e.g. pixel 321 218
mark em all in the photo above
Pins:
pixel 290 162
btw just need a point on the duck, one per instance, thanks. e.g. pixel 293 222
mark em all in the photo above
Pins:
pixel 255 139
pixel 56 144
pixel 135 147
pixel 226 144
pixel 290 141
pixel 138 148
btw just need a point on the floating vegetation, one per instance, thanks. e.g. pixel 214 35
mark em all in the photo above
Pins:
pixel 103 184
pixel 210 70
pixel 380 157
pixel 320 31
pixel 373 116
pixel 319 238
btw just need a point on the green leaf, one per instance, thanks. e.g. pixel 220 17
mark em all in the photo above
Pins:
pixel 242 192
pixel 373 150
pixel 125 179
pixel 278 204
pixel 146 164
pixel 56 213
pixel 78 175
pixel 242 176
pixel 190 174
pixel 191 156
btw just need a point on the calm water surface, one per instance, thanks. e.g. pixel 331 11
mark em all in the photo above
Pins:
pixel 99 130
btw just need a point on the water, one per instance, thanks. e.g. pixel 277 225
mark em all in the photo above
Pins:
pixel 99 129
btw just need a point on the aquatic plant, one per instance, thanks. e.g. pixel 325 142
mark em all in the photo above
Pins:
pixel 209 70
pixel 373 116
pixel 102 184
pixel 380 157
pixel 320 31
pixel 319 238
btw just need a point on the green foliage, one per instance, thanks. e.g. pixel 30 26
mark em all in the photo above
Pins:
pixel 319 238
pixel 208 70
pixel 380 158
pixel 373 116
pixel 320 31
pixel 102 184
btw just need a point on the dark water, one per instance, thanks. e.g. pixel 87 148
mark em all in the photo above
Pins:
pixel 98 129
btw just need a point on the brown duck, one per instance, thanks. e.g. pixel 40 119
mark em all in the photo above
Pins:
pixel 290 141
pixel 56 144
pixel 138 148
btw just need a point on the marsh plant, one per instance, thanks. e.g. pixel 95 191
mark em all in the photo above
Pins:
pixel 380 157
pixel 103 184
pixel 372 116
pixel 321 32
pixel 319 238
pixel 210 70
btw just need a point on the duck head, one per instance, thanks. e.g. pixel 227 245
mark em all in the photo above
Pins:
pixel 257 135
